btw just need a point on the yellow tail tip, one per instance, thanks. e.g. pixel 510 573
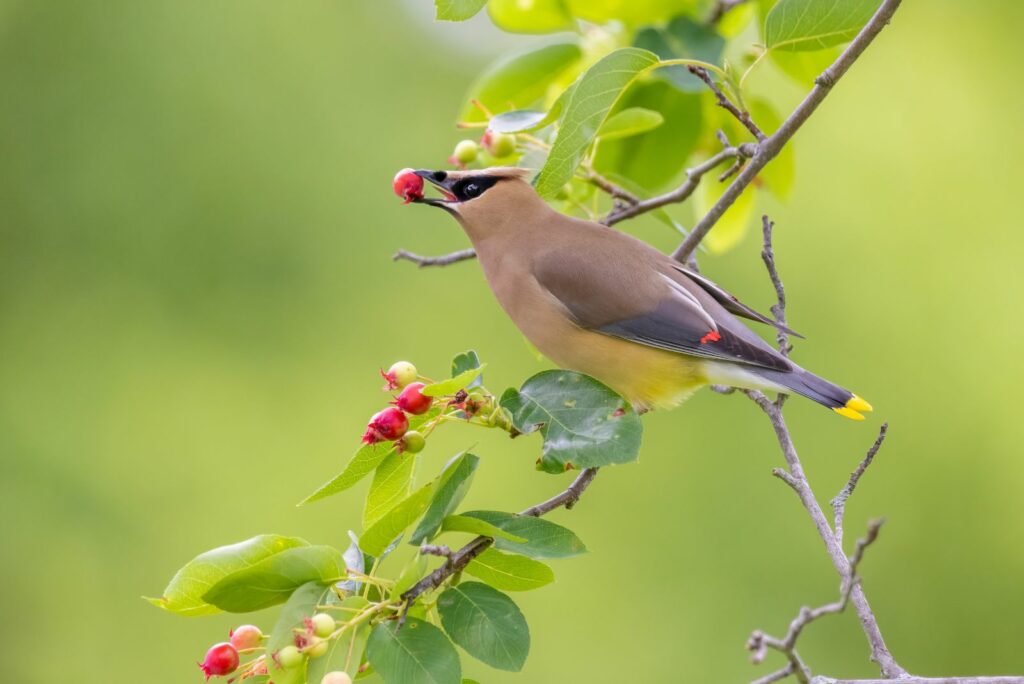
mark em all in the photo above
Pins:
pixel 847 412
pixel 858 404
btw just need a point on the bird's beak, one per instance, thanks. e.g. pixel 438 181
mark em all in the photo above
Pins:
pixel 443 182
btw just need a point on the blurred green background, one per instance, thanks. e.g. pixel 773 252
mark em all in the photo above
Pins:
pixel 196 292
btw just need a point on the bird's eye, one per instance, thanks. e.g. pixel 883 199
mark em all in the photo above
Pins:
pixel 471 190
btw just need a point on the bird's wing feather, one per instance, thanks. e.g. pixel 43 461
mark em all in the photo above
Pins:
pixel 636 302
pixel 731 303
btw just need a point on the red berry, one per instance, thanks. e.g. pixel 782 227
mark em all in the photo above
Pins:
pixel 412 400
pixel 387 425
pixel 246 636
pixel 408 185
pixel 221 659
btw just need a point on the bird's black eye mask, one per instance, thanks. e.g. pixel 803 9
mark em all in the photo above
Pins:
pixel 457 190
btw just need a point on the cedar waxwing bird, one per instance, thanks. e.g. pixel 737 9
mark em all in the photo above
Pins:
pixel 601 302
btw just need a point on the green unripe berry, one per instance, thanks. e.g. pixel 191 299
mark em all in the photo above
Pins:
pixel 323 624
pixel 413 442
pixel 317 648
pixel 466 151
pixel 336 678
pixel 289 657
pixel 400 374
pixel 500 145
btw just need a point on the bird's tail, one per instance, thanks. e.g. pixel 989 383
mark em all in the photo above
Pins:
pixel 807 384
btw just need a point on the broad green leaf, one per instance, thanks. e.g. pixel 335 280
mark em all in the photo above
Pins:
pixel 629 122
pixel 465 523
pixel 453 385
pixel 273 579
pixel 682 38
pixel 346 651
pixel 737 19
pixel 386 530
pixel 366 460
pixel 642 159
pixel 804 25
pixel 451 489
pixel 544 539
pixel 301 605
pixel 593 96
pixel 533 16
pixel 630 12
pixel 184 593
pixel 778 175
pixel 391 484
pixel 410 575
pixel 419 653
pixel 520 121
pixel 458 10
pixel 583 423
pixel 519 80
pixel 486 623
pixel 732 227
pixel 510 572
pixel 354 560
pixel 465 361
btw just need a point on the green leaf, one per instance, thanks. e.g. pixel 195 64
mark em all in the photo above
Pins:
pixel 419 653
pixel 486 623
pixel 301 605
pixel 453 385
pixel 366 460
pixel 346 651
pixel 391 484
pixel 535 16
pixel 464 523
pixel 631 12
pixel 593 96
pixel 629 122
pixel 583 423
pixel 682 38
pixel 452 486
pixel 354 560
pixel 804 67
pixel 184 593
pixel 806 25
pixel 544 539
pixel 383 532
pixel 520 121
pixel 510 572
pixel 465 361
pixel 410 575
pixel 273 579
pixel 642 159
pixel 732 227
pixel 458 10
pixel 519 80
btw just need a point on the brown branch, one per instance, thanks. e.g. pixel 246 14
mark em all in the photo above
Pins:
pixel 839 502
pixel 616 191
pixel 770 147
pixel 721 8
pixel 925 680
pixel 779 308
pixel 742 115
pixel 443 260
pixel 458 560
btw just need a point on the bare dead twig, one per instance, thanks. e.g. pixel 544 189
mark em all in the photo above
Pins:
pixel 779 308
pixel 742 115
pixel 839 502
pixel 769 148
pixel 443 260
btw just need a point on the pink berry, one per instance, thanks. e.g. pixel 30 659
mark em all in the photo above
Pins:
pixel 408 185
pixel 387 425
pixel 412 400
pixel 246 636
pixel 399 375
pixel 221 659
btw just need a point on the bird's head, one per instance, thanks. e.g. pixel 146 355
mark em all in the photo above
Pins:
pixel 484 201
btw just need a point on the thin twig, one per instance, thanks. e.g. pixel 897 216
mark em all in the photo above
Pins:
pixel 616 191
pixel 769 148
pixel 443 260
pixel 742 115
pixel 924 680
pixel 779 308
pixel 839 502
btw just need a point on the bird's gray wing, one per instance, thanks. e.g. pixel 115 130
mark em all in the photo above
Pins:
pixel 626 296
pixel 731 303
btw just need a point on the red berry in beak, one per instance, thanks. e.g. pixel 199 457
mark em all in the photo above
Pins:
pixel 408 185
pixel 221 659
pixel 387 425
pixel 412 400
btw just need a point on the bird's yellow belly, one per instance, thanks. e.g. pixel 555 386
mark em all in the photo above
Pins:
pixel 645 376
